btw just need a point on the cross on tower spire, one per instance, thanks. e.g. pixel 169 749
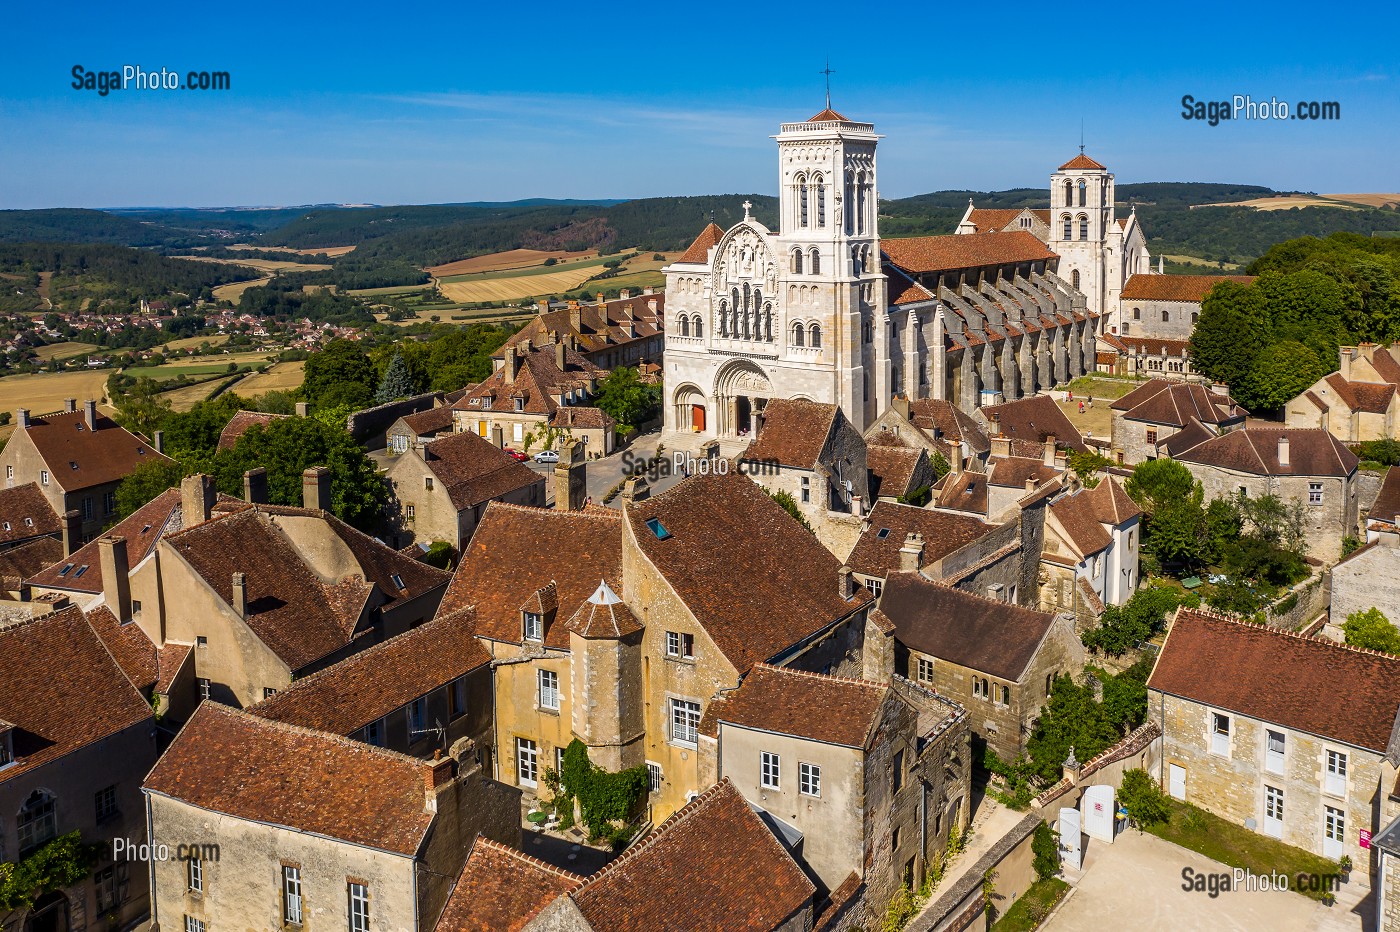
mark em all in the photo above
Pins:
pixel 1081 135
pixel 828 72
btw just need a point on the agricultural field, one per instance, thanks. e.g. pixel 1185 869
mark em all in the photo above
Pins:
pixel 537 280
pixel 217 339
pixel 235 291
pixel 64 350
pixel 1340 201
pixel 266 265
pixel 1369 200
pixel 45 392
pixel 328 251
pixel 511 259
pixel 182 399
pixel 281 377
pixel 1197 260
pixel 390 290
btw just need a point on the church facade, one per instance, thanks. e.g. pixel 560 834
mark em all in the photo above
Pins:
pixel 821 309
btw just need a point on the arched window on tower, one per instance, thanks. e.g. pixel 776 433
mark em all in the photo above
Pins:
pixel 1074 279
pixel 723 318
pixel 1069 227
pixel 768 322
pixel 685 325
pixel 699 329
pixel 801 183
pixel 856 267
pixel 848 218
pixel 862 201
pixel 816 258
pixel 1083 192
pixel 1069 195
pixel 797 262
pixel 1195 316
pixel 1166 316
pixel 816 335
pixel 820 198
pixel 797 335
pixel 1083 227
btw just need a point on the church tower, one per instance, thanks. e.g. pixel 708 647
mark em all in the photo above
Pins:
pixel 829 253
pixel 1083 229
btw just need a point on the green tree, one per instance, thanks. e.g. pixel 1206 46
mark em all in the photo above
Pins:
pixel 626 399
pixel 339 374
pixel 60 863
pixel 1157 483
pixel 1045 849
pixel 1234 327
pixel 1371 629
pixel 1280 373
pixel 1072 718
pixel 397 382
pixel 1136 620
pixel 146 482
pixel 1143 798
pixel 789 504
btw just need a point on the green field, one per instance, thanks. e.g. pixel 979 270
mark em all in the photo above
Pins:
pixel 392 289
pixel 65 350
pixel 167 373
pixel 527 272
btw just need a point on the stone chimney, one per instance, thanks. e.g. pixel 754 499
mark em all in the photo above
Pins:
pixel 512 365
pixel 845 583
pixel 72 532
pixel 1283 449
pixel 238 598
pixel 498 436
pixel 1348 355
pixel 544 305
pixel 560 356
pixel 911 555
pixel 1001 446
pixel 303 409
pixel 116 576
pixel 602 299
pixel 635 489
pixel 70 405
pixel 196 499
pixel 624 293
pixel 570 479
pixel 316 488
pixel 90 414
pixel 1032 483
pixel 955 459
pixel 158 441
pixel 996 423
pixel 22 418
pixel 255 486
pixel 575 317
pixel 900 403
pixel 1048 456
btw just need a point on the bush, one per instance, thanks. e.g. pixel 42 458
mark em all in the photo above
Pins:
pixel 604 797
pixel 439 554
pixel 1045 847
pixel 1372 630
pixel 1144 799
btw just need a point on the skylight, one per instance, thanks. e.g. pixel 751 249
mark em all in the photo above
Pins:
pixel 397 580
pixel 656 527
pixel 81 570
pixel 884 532
pixel 67 568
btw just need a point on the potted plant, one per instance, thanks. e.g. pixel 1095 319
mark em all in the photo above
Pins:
pixel 1329 898
pixel 1344 866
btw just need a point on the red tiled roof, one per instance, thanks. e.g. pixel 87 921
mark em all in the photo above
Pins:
pixel 965 491
pixel 239 424
pixel 893 469
pixel 951 421
pixel 1076 515
pixel 923 254
pixel 538 381
pixel 1011 472
pixel 1162 401
pixel 1312 452
pixel 698 252
pixel 591 328
pixel 1112 505
pixel 1034 419
pixel 142 530
pixel 1308 684
pixel 1081 161
pixel 833 709
pixel 431 421
pixel 516 551
pixel 240 765
pixel 713 865
pixel 1387 504
pixel 991 637
pixel 582 418
pixel 1366 397
pixel 603 615
pixel 1189 288
pixel 1152 346
pixel 501 889
pixel 901 289
pixel 1193 434
pixel 363 688
pixel 78 458
pixel 24 560
pixel 828 116
pixel 794 433
pixel 993 220
pixel 61 690
pixel 26 513
pixel 755 579
pixel 943 533
pixel 473 471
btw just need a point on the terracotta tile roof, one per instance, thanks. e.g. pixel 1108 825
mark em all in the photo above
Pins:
pixel 892 468
pixel 61 690
pixel 877 555
pixel 1112 505
pixel 1192 435
pixel 129 646
pixel 1091 598
pixel 794 432
pixel 828 116
pixel 1312 452
pixel 925 254
pixel 142 530
pixel 107 454
pixel 582 418
pixel 592 328
pixel 603 615
pixel 1366 397
pixel 951 421
pixel 994 220
pixel 991 637
pixel 714 863
pixel 1105 359
pixel 1081 161
pixel 1385 365
pixel 517 550
pixel 1152 346
pixel 539 382
pixel 833 709
pixel 26 513
pixel 1191 288
pixel 1034 419
pixel 698 252
pixel 964 492
pixel 755 579
pixel 1308 684
pixel 901 289
pixel 363 688
pixel 431 421
pixel 1161 401
pixel 238 764
pixel 1076 515
pixel 239 424
pixel 1387 504
pixel 1011 472
pixel 23 561
pixel 473 471
pixel 501 889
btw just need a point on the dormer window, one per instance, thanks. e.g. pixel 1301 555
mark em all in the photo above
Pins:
pixel 534 626
pixel 7 751
pixel 476 401
pixel 520 404
pixel 72 464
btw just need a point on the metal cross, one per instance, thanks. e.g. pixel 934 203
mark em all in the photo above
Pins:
pixel 828 72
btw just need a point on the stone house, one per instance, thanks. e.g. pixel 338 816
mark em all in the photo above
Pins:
pixel 1090 558
pixel 1387 843
pixel 1145 357
pixel 1153 414
pixel 525 394
pixel 298 827
pixel 243 421
pixel 77 459
pixel 713 866
pixel 1289 736
pixel 899 473
pixel 1356 403
pixel 1383 517
pixel 1010 478
pixel 501 888
pixel 32 535
pixel 937 426
pixel 1297 465
pixel 1166 306
pixel 1025 426
pixel 442 487
pixel 418 693
pixel 997 659
pixel 629 330
pixel 903 538
pixel 1368 577
pixel 76 739
pixel 418 428
pixel 862 777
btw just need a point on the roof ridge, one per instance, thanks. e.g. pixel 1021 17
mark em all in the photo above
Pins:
pixel 494 505
pixel 490 843
pixel 1281 632
pixel 683 814
pixel 824 677
pixel 386 754
pixel 972 595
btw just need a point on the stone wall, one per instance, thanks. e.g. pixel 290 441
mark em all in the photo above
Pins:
pixel 1326 523
pixel 1310 599
pixel 1390 884
pixel 1369 578
pixel 1140 750
pixel 963 905
pixel 370 426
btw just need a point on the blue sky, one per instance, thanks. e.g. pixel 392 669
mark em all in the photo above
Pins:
pixel 350 103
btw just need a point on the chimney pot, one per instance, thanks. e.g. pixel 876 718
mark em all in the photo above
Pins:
pixel 1049 456
pixel 116 576
pixel 72 532
pixel 512 365
pixel 22 417
pixel 303 409
pixel 70 405
pixel 255 486
pixel 560 356
pixel 159 441
pixel 239 596
pixel 845 582
pixel 316 488
pixel 196 499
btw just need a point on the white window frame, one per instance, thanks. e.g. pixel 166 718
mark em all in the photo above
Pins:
pixel 770 770
pixel 1334 831
pixel 680 645
pixel 1274 760
pixel 685 722
pixel 924 670
pixel 1334 772
pixel 1273 809
pixel 194 875
pixel 194 925
pixel 358 896
pixel 291 895
pixel 1314 493
pixel 547 690
pixel 534 626
pixel 655 777
pixel 809 779
pixel 1220 740
pixel 527 762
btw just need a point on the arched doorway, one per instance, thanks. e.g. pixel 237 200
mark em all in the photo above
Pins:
pixel 688 409
pixel 50 914
pixel 742 390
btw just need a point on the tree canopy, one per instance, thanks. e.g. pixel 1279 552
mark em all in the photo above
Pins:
pixel 339 374
pixel 1371 629
pixel 624 397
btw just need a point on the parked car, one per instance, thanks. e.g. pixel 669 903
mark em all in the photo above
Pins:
pixel 516 454
pixel 546 456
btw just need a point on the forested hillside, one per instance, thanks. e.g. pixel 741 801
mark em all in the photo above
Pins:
pixel 117 275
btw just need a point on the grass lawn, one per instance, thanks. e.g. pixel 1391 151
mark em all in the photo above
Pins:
pixel 65 350
pixel 1237 846
pixel 1030 910
pixel 166 373
pixel 1102 386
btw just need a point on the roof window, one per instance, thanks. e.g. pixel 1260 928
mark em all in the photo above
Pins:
pixel 884 532
pixel 656 527
pixel 397 580
pixel 81 570
pixel 67 568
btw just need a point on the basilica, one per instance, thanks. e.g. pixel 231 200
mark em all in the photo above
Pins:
pixel 822 309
